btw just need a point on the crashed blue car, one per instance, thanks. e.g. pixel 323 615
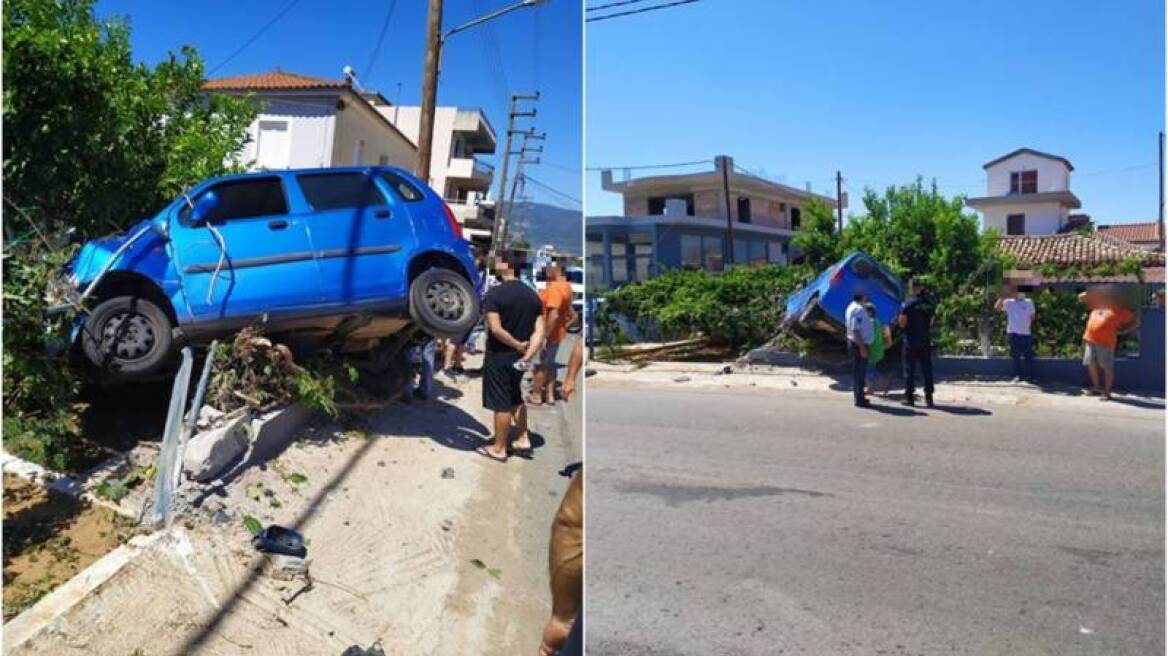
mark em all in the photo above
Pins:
pixel 346 256
pixel 820 306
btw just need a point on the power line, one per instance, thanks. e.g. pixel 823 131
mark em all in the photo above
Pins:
pixel 255 36
pixel 368 72
pixel 613 4
pixel 552 189
pixel 639 11
pixel 649 166
pixel 566 169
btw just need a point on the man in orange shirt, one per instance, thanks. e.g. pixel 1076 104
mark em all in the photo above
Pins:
pixel 557 306
pixel 1108 319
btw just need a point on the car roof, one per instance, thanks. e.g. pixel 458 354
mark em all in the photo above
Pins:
pixel 328 169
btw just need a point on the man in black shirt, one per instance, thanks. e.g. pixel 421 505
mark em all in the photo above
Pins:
pixel 916 320
pixel 515 331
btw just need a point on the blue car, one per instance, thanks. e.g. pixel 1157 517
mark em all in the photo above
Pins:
pixel 348 256
pixel 821 305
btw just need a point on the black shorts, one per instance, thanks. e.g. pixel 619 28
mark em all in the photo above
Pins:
pixel 502 382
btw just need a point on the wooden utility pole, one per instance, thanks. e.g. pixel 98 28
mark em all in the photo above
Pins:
pixel 839 201
pixel 724 164
pixel 429 88
pixel 501 208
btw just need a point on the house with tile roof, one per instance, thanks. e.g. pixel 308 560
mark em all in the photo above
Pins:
pixel 1028 192
pixel 311 122
pixel 1079 251
pixel 1148 235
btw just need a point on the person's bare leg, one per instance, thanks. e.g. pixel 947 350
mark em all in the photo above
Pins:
pixel 522 439
pixel 549 386
pixel 498 448
pixel 1108 379
pixel 537 386
pixel 1093 371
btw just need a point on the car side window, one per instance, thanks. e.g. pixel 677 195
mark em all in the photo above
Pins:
pixel 243 199
pixel 403 188
pixel 332 191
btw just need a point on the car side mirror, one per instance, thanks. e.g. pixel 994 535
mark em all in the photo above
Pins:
pixel 204 207
pixel 161 228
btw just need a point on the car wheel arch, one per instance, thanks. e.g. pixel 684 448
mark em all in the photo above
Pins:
pixel 119 283
pixel 431 259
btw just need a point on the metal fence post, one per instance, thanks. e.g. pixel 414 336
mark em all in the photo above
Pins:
pixel 164 480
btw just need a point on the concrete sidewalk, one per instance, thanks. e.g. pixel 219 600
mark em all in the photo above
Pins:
pixel 416 542
pixel 780 378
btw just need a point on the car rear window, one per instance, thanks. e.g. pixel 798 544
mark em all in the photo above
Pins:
pixel 244 199
pixel 868 271
pixel 334 191
pixel 403 188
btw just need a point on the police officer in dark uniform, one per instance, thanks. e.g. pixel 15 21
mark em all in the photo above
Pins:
pixel 916 320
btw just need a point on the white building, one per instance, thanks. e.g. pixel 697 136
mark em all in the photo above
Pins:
pixel 1027 193
pixel 456 172
pixel 308 122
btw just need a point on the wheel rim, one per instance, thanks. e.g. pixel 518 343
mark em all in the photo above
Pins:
pixel 128 336
pixel 446 300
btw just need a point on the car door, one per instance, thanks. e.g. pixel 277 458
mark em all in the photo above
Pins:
pixel 249 256
pixel 360 232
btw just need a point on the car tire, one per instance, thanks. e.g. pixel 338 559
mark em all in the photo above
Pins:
pixel 127 337
pixel 443 304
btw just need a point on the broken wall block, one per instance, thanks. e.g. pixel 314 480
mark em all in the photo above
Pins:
pixel 212 452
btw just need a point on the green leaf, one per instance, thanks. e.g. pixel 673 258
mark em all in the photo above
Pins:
pixel 253 525
pixel 478 563
pixel 495 572
pixel 296 478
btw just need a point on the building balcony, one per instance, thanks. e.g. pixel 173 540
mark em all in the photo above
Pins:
pixel 474 128
pixel 470 172
pixel 474 216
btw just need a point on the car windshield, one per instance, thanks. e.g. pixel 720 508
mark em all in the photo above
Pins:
pixel 867 270
pixel 575 277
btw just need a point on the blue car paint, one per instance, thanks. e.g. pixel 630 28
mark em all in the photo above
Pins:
pixel 832 299
pixel 172 262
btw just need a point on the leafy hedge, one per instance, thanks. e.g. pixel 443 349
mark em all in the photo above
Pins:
pixel 93 142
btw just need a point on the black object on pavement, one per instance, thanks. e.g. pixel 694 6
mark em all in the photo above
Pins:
pixel 279 540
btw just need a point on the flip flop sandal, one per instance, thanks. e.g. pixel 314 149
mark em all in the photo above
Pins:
pixel 525 451
pixel 482 451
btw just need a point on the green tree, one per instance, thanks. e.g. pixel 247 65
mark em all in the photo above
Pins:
pixel 817 239
pixel 92 143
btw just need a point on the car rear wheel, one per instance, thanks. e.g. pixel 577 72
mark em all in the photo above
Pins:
pixel 127 336
pixel 443 304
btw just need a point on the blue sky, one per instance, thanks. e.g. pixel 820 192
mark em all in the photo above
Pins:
pixel 534 48
pixel 884 91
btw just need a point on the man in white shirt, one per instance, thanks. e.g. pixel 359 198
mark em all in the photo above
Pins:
pixel 860 334
pixel 1019 316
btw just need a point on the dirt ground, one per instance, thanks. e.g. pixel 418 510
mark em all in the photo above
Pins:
pixel 49 537
pixel 415 542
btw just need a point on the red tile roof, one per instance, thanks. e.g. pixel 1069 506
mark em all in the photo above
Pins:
pixel 271 80
pixel 1147 232
pixel 1074 248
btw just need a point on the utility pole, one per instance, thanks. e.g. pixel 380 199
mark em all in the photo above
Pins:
pixel 519 185
pixel 429 88
pixel 724 164
pixel 500 206
pixel 431 63
pixel 839 200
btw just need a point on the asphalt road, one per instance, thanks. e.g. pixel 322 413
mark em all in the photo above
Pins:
pixel 791 523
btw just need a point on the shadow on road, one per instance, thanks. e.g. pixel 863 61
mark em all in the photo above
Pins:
pixel 896 411
pixel 964 410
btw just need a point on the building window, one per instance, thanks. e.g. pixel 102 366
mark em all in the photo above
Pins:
pixel 594 275
pixel 1016 224
pixel 657 204
pixel 1023 182
pixel 757 255
pixel 712 253
pixel 775 254
pixel 701 253
pixel 743 209
pixel 796 218
pixel 740 246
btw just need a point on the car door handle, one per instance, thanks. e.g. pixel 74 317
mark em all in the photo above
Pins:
pixel 278 224
pixel 381 214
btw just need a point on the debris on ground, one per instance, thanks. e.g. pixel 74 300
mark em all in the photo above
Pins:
pixel 373 650
pixel 277 539
pixel 682 379
pixel 448 472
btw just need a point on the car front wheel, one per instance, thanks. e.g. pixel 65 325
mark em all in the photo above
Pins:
pixel 127 336
pixel 443 304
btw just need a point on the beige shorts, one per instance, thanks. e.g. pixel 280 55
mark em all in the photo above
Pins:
pixel 1099 356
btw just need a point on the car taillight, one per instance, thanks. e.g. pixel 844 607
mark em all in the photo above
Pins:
pixel 455 226
pixel 837 276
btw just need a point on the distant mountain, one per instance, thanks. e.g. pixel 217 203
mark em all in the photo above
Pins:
pixel 539 224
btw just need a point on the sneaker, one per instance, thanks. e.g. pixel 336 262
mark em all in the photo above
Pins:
pixel 863 404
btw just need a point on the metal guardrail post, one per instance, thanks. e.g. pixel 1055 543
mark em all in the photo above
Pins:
pixel 192 417
pixel 162 512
